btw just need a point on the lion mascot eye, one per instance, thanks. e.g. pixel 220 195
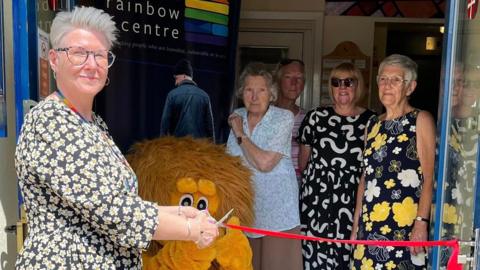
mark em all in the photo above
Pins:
pixel 202 203
pixel 186 200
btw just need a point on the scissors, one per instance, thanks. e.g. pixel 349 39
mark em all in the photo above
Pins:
pixel 219 223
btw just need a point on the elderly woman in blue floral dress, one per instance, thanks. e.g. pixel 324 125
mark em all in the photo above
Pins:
pixel 261 135
pixel 80 194
pixel 395 191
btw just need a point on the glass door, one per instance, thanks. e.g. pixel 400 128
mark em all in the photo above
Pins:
pixel 456 203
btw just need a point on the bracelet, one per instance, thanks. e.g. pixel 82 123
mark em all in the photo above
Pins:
pixel 189 228
pixel 419 218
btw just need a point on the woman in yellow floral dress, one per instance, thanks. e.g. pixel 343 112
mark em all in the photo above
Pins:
pixel 395 191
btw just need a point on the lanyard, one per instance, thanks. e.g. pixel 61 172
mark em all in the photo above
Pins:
pixel 70 105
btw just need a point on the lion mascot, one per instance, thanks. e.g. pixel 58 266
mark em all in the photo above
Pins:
pixel 195 172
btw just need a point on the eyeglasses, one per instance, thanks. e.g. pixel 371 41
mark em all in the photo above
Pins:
pixel 78 56
pixel 393 81
pixel 347 82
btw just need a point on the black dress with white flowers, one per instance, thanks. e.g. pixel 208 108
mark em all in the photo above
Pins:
pixel 80 195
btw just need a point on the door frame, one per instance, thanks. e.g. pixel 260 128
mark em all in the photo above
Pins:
pixel 449 57
pixel 310 24
pixel 8 193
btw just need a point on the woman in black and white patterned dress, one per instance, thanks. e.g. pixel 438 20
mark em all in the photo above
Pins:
pixel 331 145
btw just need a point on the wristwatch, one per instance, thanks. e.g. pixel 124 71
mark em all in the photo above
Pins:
pixel 419 218
pixel 240 139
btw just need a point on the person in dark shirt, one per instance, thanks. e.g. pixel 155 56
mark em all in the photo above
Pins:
pixel 187 108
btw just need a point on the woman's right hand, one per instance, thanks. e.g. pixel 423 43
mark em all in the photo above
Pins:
pixel 204 229
pixel 188 211
pixel 235 121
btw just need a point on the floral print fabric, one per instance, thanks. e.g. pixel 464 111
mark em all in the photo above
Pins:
pixel 393 181
pixel 80 196
pixel 457 219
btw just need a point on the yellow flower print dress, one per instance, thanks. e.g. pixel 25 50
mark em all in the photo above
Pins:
pixel 462 156
pixel 393 182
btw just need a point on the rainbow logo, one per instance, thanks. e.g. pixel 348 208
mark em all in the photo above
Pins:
pixel 206 21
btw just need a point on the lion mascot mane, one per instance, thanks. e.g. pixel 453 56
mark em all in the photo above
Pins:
pixel 195 172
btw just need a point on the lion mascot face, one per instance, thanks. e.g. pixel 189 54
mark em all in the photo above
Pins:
pixel 195 172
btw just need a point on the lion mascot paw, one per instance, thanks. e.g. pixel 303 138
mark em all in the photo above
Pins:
pixel 195 172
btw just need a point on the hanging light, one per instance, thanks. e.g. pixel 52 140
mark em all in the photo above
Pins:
pixel 431 43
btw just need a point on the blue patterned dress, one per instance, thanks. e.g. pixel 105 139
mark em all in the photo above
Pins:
pixel 393 182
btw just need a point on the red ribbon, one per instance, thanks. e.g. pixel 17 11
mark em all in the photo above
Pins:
pixel 452 262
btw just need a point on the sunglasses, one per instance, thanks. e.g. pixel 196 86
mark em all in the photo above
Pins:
pixel 347 82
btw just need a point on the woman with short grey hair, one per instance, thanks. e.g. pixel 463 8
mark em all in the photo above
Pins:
pixel 261 135
pixel 394 195
pixel 257 69
pixel 406 63
pixel 80 193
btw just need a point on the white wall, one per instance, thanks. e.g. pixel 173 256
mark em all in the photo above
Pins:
pixel 8 179
pixel 358 29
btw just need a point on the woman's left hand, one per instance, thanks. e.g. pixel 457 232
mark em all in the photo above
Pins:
pixel 419 233
pixel 208 230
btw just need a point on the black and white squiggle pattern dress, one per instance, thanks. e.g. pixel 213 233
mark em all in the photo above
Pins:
pixel 329 183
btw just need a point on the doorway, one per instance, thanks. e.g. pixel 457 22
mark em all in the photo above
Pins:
pixel 423 44
pixel 271 36
pixel 268 48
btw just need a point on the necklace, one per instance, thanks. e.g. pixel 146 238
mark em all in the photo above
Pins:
pixel 131 185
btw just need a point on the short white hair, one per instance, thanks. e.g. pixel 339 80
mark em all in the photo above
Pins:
pixel 257 69
pixel 403 62
pixel 88 18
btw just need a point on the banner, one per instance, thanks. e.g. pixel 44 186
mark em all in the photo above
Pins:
pixel 154 35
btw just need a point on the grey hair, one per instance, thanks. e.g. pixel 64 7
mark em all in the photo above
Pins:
pixel 279 69
pixel 401 61
pixel 88 18
pixel 256 69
